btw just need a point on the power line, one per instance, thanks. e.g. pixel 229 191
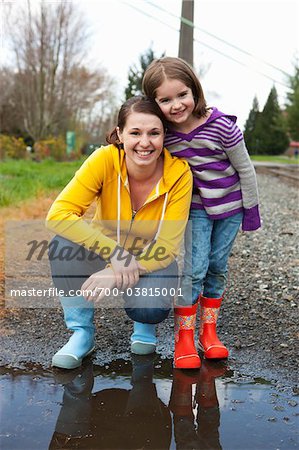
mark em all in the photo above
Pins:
pixel 206 45
pixel 191 24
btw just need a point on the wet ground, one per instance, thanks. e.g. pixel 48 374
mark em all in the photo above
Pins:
pixel 144 403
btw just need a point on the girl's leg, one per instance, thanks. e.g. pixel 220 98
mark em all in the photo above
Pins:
pixel 71 265
pixel 196 259
pixel 223 237
pixel 149 303
pixel 197 249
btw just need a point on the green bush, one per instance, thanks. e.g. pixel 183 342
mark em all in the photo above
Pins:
pixel 12 147
pixel 50 148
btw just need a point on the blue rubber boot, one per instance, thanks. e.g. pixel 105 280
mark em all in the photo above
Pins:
pixel 78 316
pixel 143 340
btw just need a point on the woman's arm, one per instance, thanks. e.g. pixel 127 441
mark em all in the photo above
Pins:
pixel 65 216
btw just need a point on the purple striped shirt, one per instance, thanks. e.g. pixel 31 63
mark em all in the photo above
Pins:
pixel 223 177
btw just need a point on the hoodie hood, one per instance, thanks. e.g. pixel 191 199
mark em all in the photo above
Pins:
pixel 213 117
pixel 216 114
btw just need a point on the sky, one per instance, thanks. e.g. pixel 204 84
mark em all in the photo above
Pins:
pixel 266 31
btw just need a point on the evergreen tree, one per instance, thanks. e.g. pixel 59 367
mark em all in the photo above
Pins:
pixel 271 129
pixel 292 106
pixel 136 73
pixel 251 129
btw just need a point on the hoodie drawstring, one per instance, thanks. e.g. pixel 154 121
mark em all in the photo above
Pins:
pixel 119 209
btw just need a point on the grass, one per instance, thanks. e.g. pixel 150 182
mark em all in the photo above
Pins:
pixel 275 159
pixel 21 180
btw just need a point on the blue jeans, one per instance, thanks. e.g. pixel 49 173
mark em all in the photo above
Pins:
pixel 207 249
pixel 149 301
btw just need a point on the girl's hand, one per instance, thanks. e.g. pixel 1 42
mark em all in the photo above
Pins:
pixel 125 268
pixel 93 289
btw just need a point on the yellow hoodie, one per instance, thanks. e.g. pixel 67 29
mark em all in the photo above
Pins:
pixel 153 233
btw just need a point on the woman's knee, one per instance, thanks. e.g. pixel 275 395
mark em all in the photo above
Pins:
pixel 148 315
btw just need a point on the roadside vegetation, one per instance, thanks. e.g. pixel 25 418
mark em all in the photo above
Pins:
pixel 275 159
pixel 23 179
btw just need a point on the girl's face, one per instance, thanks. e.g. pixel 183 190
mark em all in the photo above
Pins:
pixel 176 101
pixel 142 138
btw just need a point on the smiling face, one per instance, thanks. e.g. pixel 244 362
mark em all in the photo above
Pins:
pixel 142 138
pixel 176 102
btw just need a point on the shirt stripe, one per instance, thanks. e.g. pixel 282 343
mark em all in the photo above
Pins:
pixel 216 184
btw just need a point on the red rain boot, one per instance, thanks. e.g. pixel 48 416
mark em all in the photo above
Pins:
pixel 208 339
pixel 185 353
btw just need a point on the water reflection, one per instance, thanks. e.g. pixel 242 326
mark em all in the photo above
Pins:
pixel 114 417
pixel 116 407
pixel 137 418
pixel 196 430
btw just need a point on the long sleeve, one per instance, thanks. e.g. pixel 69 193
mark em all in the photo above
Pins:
pixel 65 216
pixel 239 158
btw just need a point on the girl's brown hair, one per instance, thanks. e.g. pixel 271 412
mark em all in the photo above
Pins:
pixel 174 69
pixel 139 104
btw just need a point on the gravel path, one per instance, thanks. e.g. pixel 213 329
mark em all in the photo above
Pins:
pixel 259 317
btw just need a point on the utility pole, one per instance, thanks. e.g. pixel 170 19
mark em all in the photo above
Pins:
pixel 186 31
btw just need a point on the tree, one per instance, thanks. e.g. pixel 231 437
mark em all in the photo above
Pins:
pixel 55 90
pixel 251 128
pixel 10 117
pixel 292 105
pixel 136 73
pixel 272 127
pixel 268 135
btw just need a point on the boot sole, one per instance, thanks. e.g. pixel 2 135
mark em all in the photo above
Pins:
pixel 187 362
pixel 142 348
pixel 224 355
pixel 69 361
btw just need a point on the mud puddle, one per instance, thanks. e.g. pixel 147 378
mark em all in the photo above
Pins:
pixel 144 404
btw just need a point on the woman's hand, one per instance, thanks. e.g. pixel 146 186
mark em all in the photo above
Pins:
pixel 93 289
pixel 125 268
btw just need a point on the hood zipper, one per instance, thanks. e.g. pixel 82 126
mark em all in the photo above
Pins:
pixel 135 212
pixel 131 223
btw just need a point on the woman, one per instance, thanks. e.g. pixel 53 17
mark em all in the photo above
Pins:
pixel 143 197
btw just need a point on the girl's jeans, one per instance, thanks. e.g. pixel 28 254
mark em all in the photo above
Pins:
pixel 148 302
pixel 207 248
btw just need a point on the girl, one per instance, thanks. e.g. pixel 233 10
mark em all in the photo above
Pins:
pixel 143 198
pixel 224 196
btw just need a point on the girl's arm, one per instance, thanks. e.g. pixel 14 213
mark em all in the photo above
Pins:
pixel 239 158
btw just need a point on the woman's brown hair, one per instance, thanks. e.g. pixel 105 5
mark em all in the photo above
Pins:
pixel 174 69
pixel 139 104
